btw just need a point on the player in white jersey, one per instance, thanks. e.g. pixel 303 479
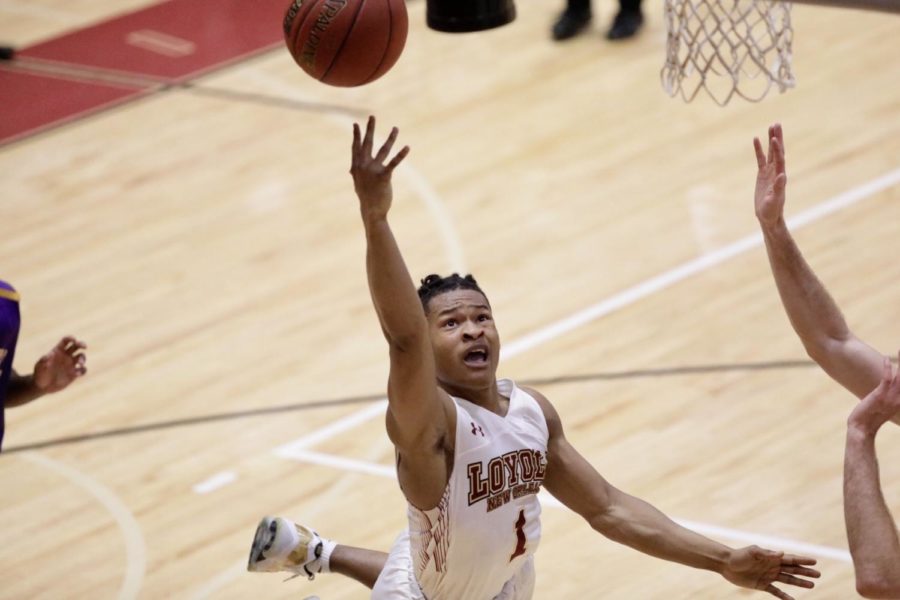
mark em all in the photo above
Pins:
pixel 472 451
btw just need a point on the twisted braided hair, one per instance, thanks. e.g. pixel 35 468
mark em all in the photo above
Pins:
pixel 435 285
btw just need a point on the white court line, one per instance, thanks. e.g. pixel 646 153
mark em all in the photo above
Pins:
pixel 773 543
pixel 342 463
pixel 135 548
pixel 633 294
pixel 690 268
pixel 332 429
pixel 436 208
pixel 321 503
pixel 743 537
pixel 419 183
pixel 214 482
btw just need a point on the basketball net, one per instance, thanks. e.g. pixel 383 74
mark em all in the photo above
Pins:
pixel 728 48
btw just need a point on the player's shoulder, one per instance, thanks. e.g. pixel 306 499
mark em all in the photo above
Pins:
pixel 8 292
pixel 550 414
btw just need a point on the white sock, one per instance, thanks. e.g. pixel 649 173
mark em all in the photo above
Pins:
pixel 328 547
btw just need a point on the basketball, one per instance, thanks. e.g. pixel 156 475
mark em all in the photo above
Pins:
pixel 346 43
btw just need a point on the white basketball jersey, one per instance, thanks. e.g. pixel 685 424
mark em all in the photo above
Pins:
pixel 487 525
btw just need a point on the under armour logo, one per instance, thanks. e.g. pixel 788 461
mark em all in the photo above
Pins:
pixel 476 429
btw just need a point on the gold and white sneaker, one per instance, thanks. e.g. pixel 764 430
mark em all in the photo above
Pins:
pixel 281 545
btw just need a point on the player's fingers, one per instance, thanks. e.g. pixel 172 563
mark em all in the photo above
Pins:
pixel 64 343
pixel 370 136
pixel 895 378
pixel 804 571
pixel 886 370
pixel 791 580
pixel 386 147
pixel 760 157
pixel 397 159
pixel 75 347
pixel 796 559
pixel 779 135
pixel 778 593
pixel 771 138
pixel 779 155
pixel 354 150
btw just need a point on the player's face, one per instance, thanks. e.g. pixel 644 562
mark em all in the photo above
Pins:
pixel 465 342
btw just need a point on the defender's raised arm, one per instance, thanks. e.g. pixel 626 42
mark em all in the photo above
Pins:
pixel 812 311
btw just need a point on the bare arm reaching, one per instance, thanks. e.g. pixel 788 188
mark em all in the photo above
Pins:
pixel 635 523
pixel 812 311
pixel 871 531
pixel 416 419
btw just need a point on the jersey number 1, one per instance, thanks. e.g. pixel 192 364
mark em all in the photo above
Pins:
pixel 520 536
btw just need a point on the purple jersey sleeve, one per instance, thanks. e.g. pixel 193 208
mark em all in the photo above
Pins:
pixel 9 335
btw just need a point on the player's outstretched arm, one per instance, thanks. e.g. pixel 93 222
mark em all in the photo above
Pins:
pixel 871 531
pixel 635 523
pixel 416 417
pixel 812 311
pixel 53 372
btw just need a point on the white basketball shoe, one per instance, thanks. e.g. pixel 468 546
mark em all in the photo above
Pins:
pixel 281 545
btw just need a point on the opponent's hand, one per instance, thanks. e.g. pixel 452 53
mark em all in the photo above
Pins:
pixel 371 176
pixel 880 405
pixel 61 366
pixel 757 568
pixel 771 178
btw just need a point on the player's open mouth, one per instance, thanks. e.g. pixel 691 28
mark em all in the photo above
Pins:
pixel 476 358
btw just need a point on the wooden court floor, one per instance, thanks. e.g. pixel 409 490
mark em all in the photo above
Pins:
pixel 205 242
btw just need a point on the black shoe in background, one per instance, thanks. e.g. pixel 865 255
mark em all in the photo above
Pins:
pixel 625 25
pixel 570 23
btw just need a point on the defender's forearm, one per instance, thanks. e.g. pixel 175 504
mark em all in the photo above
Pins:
pixel 812 311
pixel 871 531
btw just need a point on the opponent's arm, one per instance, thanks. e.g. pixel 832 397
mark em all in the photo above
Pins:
pixel 635 523
pixel 871 531
pixel 812 311
pixel 53 372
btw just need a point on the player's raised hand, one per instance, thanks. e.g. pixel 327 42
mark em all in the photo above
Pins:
pixel 61 366
pixel 880 405
pixel 759 569
pixel 371 175
pixel 771 178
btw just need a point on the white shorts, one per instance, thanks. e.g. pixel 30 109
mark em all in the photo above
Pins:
pixel 397 580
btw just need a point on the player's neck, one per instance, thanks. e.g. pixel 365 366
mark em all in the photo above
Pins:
pixel 488 398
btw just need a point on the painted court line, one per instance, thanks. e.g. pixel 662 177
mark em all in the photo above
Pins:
pixel 214 482
pixel 332 429
pixel 744 537
pixel 340 462
pixel 635 293
pixel 420 185
pixel 321 503
pixel 135 548
pixel 698 265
